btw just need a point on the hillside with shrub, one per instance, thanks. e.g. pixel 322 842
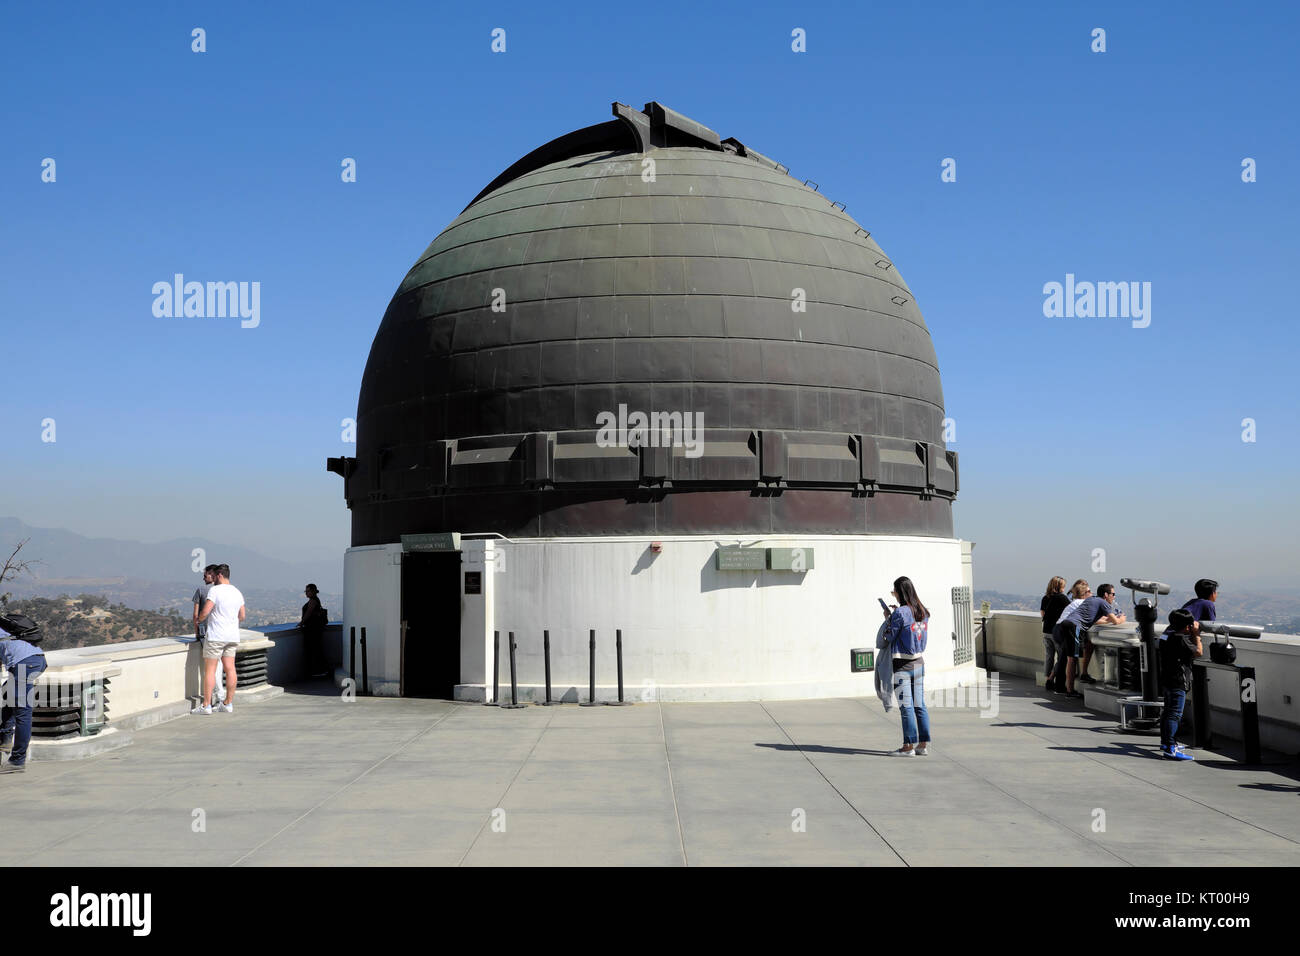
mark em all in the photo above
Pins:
pixel 89 619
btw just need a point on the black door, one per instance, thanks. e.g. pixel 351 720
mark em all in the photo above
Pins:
pixel 431 619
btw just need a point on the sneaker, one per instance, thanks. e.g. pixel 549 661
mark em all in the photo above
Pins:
pixel 1088 679
pixel 900 752
pixel 14 767
pixel 224 708
pixel 203 710
pixel 1175 754
pixel 923 750
pixel 7 744
pixel 1073 693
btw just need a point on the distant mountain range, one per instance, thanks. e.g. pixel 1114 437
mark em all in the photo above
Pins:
pixel 64 555
pixel 159 576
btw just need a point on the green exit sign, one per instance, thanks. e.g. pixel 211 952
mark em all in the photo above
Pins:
pixel 862 659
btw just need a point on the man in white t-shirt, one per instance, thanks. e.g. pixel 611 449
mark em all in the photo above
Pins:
pixel 222 612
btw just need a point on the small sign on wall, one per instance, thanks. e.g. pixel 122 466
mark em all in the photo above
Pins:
pixel 742 559
pixel 441 541
pixel 473 582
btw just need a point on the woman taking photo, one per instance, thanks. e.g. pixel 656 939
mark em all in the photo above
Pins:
pixel 908 633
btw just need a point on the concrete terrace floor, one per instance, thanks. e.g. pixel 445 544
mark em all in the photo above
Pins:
pixel 308 779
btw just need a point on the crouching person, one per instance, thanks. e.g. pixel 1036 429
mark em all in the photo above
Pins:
pixel 1180 645
pixel 25 663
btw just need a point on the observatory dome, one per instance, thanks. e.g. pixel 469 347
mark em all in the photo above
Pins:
pixel 646 265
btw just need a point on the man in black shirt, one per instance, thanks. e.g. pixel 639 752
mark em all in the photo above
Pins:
pixel 1181 645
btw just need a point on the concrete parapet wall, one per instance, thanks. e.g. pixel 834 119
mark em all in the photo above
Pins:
pixel 153 681
pixel 1015 647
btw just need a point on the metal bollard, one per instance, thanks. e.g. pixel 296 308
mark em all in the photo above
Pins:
pixel 591 681
pixel 496 671
pixel 546 653
pixel 514 688
pixel 618 643
pixel 365 670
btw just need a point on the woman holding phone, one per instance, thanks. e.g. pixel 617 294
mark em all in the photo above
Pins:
pixel 908 634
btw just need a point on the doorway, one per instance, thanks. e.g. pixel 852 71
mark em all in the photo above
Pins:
pixel 430 624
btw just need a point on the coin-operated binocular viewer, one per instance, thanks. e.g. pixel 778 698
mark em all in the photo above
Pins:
pixel 1146 613
pixel 1141 714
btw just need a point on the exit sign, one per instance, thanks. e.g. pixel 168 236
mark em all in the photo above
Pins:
pixel 862 659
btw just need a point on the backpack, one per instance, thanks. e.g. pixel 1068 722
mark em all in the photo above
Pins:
pixel 23 627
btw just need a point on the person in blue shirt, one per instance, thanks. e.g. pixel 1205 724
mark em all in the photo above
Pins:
pixel 908 633
pixel 1201 607
pixel 25 662
pixel 1100 609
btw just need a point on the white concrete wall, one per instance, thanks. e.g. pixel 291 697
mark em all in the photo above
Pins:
pixel 477 617
pixel 1015 642
pixel 372 598
pixel 691 632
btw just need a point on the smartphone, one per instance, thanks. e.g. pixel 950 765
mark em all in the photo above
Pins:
pixel 883 606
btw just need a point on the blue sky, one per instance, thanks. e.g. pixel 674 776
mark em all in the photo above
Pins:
pixel 1074 434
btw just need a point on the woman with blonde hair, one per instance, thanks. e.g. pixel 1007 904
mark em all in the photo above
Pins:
pixel 1049 609
pixel 1079 590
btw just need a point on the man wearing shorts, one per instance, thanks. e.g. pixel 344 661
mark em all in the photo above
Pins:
pixel 200 630
pixel 222 612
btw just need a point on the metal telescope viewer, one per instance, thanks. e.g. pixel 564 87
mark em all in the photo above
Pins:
pixel 1144 609
pixel 1231 630
pixel 1147 587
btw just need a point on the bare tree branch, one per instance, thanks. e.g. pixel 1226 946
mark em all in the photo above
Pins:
pixel 14 567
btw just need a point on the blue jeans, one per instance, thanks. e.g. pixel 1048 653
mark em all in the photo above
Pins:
pixel 17 710
pixel 909 686
pixel 1172 714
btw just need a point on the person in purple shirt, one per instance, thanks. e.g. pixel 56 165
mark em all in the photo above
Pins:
pixel 1201 607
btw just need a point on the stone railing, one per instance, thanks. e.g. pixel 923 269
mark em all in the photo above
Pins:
pixel 1015 646
pixel 91 698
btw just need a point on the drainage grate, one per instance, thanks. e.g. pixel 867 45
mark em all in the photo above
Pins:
pixel 75 709
pixel 250 667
